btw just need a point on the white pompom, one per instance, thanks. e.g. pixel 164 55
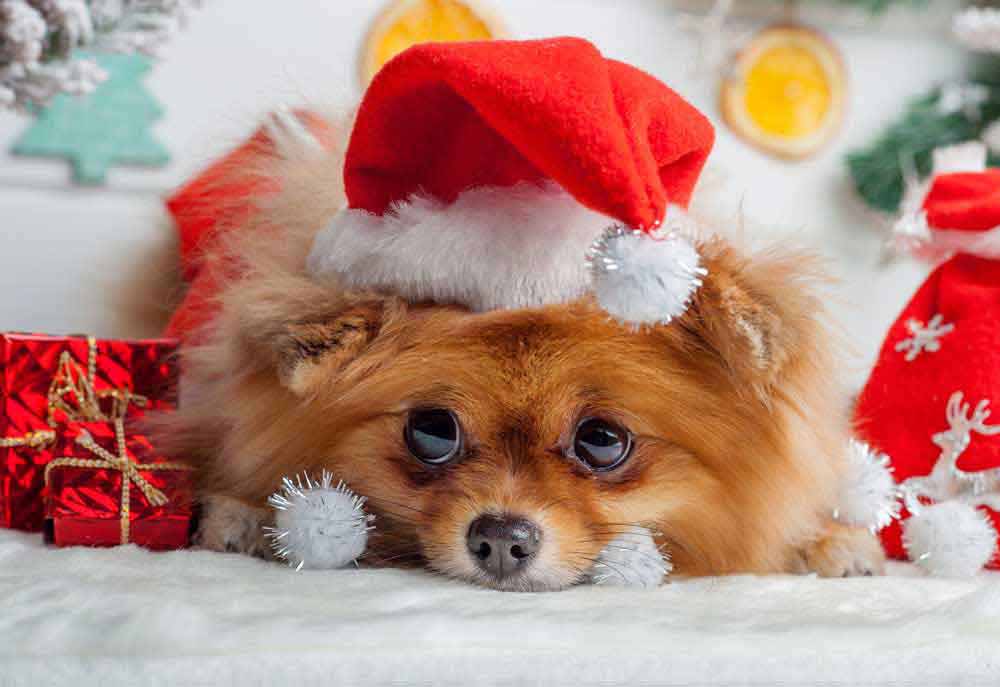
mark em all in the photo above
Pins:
pixel 639 279
pixel 868 495
pixel 950 539
pixel 317 525
pixel 632 559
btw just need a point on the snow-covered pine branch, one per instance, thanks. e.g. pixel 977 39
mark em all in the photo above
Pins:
pixel 38 40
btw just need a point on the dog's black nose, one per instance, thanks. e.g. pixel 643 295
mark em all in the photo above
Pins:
pixel 503 545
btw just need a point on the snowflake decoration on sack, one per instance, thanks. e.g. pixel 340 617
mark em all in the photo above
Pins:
pixel 925 337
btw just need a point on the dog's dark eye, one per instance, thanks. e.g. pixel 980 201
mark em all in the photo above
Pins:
pixel 601 444
pixel 433 435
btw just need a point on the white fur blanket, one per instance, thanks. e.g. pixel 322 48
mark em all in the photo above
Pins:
pixel 125 616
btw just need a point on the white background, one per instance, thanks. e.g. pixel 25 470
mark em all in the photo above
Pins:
pixel 101 260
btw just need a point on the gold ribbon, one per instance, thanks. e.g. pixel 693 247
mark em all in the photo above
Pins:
pixel 33 440
pixel 71 380
pixel 130 471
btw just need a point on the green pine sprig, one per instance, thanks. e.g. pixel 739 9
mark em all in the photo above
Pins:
pixel 878 171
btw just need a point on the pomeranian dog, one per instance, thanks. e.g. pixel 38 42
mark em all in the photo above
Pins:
pixel 508 448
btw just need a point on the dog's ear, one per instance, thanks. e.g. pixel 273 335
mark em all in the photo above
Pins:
pixel 756 314
pixel 309 341
pixel 308 352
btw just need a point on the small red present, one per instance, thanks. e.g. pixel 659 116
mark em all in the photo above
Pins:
pixel 108 487
pixel 49 382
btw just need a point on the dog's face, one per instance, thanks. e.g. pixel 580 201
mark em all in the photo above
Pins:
pixel 508 448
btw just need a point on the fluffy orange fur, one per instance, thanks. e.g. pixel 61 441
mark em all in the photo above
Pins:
pixel 739 429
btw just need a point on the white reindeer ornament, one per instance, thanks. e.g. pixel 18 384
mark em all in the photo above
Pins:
pixel 952 537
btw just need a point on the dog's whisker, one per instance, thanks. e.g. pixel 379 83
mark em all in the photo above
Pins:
pixel 644 554
pixel 599 562
pixel 602 537
pixel 377 558
pixel 403 518
pixel 631 526
pixel 391 536
pixel 585 556
pixel 380 503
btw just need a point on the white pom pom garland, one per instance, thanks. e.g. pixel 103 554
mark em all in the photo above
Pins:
pixel 641 279
pixel 868 495
pixel 632 559
pixel 317 525
pixel 950 539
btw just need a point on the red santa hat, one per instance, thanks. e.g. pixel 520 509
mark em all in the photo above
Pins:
pixel 956 210
pixel 512 174
pixel 928 400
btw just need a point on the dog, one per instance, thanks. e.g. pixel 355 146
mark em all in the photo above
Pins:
pixel 508 448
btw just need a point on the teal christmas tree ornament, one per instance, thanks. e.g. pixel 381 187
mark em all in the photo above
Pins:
pixel 110 126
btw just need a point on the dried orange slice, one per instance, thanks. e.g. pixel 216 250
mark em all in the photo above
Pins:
pixel 407 22
pixel 786 92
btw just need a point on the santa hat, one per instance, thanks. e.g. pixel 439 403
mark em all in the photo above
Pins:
pixel 957 210
pixel 928 401
pixel 511 174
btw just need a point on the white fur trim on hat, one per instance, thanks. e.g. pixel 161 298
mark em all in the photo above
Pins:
pixel 961 157
pixel 492 248
pixel 985 244
pixel 500 248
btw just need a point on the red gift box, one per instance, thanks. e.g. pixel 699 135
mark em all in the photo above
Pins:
pixel 107 486
pixel 48 382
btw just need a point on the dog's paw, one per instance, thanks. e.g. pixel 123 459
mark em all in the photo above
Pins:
pixel 844 552
pixel 232 526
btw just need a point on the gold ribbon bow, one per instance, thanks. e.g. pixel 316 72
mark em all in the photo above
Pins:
pixel 71 380
pixel 130 471
pixel 73 393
